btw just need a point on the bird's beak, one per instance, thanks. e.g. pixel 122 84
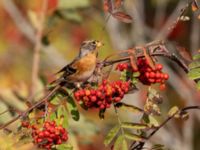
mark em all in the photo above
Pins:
pixel 99 44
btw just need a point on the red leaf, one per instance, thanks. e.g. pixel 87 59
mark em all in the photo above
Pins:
pixel 118 3
pixel 107 6
pixel 194 6
pixel 122 17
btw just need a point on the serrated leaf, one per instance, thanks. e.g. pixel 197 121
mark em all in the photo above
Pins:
pixel 194 74
pixel 121 16
pixel 124 145
pixel 118 142
pixel 64 147
pixel 112 133
pixel 128 107
pixel 195 57
pixel 134 137
pixel 194 64
pixel 62 116
pixel 174 110
pixel 157 147
pixel 153 121
pixel 131 125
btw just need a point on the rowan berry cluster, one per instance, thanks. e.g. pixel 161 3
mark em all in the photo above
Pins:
pixel 148 75
pixel 104 95
pixel 47 136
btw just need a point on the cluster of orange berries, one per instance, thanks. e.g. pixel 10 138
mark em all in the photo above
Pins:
pixel 104 95
pixel 47 136
pixel 148 75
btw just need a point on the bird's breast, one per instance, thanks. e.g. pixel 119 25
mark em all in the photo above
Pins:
pixel 85 67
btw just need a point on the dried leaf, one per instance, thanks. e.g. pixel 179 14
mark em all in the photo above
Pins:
pixel 121 16
pixel 174 110
pixel 112 133
pixel 148 58
pixel 194 5
pixel 118 3
pixel 131 108
pixel 107 6
pixel 134 137
pixel 198 17
pixel 131 125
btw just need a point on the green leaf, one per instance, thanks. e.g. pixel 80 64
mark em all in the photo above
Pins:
pixel 194 74
pixel 128 107
pixel 110 136
pixel 136 74
pixel 134 137
pixel 195 57
pixel 124 145
pixel 67 4
pixel 118 142
pixel 153 121
pixel 64 147
pixel 131 125
pixel 194 64
pixel 71 106
pixel 198 85
pixel 70 15
pixel 157 147
pixel 174 110
pixel 62 116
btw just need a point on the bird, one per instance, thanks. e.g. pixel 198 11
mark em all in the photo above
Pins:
pixel 83 65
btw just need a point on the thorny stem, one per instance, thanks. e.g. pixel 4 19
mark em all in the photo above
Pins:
pixel 141 144
pixel 37 48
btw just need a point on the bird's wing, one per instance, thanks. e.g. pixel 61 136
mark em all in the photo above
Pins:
pixel 68 69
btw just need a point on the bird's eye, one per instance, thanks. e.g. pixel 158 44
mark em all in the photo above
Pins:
pixel 94 42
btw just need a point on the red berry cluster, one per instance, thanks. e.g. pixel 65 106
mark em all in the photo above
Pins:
pixel 49 135
pixel 148 75
pixel 122 66
pixel 104 95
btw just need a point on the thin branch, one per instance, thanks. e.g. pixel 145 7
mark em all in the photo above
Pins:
pixel 141 144
pixel 39 103
pixel 37 48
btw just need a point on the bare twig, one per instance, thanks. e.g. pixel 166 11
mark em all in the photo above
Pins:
pixel 24 114
pixel 141 144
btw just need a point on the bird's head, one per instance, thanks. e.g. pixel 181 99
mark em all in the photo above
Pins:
pixel 89 46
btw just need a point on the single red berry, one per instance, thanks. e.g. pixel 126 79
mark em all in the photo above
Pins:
pixel 166 76
pixel 159 67
pixel 152 75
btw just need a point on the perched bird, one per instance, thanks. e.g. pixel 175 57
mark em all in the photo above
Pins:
pixel 83 66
